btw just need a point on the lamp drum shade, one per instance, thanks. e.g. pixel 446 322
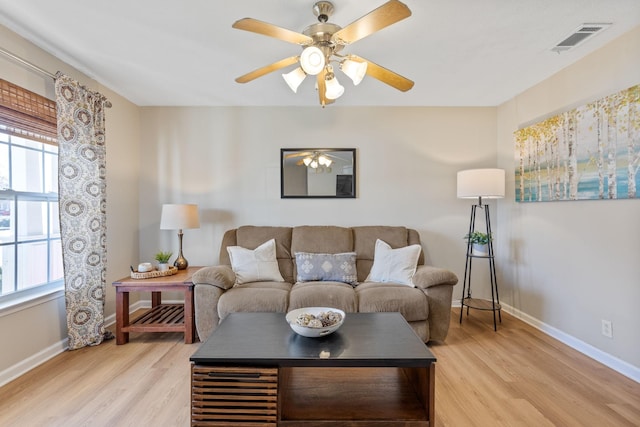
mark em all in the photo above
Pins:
pixel 487 183
pixel 177 217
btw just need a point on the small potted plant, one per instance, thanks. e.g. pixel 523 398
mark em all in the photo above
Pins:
pixel 479 242
pixel 163 260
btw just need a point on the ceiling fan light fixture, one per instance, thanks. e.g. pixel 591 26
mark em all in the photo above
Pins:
pixel 321 43
pixel 307 160
pixel 294 78
pixel 334 88
pixel 312 60
pixel 324 161
pixel 354 70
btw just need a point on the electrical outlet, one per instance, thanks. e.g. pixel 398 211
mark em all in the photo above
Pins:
pixel 607 328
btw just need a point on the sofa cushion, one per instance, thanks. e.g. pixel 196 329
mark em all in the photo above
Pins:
pixel 323 294
pixel 365 239
pixel 250 237
pixel 321 239
pixel 313 267
pixel 364 243
pixel 394 265
pixel 255 297
pixel 255 265
pixel 379 297
pixel 326 239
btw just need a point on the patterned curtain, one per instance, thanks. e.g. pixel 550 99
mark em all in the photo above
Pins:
pixel 82 192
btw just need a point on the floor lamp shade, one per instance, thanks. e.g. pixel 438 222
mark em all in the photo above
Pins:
pixel 179 217
pixel 487 183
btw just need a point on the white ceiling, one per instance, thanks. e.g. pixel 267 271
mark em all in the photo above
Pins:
pixel 185 53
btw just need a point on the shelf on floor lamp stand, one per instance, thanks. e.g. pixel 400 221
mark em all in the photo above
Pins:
pixel 475 303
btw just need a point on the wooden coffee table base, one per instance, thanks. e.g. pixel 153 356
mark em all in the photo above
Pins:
pixel 396 397
pixel 318 397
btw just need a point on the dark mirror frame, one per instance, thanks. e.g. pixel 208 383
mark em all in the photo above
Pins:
pixel 345 184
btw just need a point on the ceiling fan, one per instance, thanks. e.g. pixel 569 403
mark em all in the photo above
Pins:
pixel 314 159
pixel 322 44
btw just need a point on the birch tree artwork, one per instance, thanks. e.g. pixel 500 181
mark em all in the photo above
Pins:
pixel 589 152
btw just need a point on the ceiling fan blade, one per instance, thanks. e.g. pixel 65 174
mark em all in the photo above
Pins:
pixel 267 69
pixel 266 29
pixel 298 154
pixel 384 75
pixel 322 88
pixel 387 14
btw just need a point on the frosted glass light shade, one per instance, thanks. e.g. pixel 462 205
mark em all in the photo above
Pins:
pixel 294 78
pixel 312 60
pixel 354 70
pixel 324 161
pixel 487 183
pixel 178 217
pixel 334 89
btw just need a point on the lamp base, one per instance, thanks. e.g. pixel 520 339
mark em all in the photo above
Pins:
pixel 181 263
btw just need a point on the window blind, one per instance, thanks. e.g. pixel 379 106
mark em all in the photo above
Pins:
pixel 26 114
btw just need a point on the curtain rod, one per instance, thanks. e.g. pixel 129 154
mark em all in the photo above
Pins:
pixel 35 67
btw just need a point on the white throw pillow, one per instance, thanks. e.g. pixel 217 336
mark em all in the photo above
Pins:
pixel 394 265
pixel 258 265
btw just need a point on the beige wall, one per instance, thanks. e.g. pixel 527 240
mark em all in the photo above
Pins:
pixel 227 161
pixel 569 265
pixel 32 334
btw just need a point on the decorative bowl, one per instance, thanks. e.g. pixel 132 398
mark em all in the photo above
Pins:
pixel 313 332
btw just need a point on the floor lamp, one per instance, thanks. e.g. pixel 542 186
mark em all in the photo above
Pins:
pixel 179 217
pixel 479 184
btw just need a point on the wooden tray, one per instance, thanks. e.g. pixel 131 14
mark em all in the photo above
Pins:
pixel 155 273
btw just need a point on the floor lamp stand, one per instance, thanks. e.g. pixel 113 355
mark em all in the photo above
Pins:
pixel 467 300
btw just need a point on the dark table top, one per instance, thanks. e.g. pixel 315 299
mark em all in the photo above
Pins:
pixel 265 339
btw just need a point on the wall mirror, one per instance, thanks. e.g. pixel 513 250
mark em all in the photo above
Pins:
pixel 317 173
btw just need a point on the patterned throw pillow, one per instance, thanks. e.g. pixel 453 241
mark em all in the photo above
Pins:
pixel 257 265
pixel 314 267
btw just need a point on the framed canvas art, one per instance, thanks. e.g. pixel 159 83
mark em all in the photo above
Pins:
pixel 589 152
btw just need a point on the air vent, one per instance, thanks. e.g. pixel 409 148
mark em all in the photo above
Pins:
pixel 579 36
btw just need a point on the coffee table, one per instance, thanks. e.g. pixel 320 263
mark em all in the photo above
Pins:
pixel 254 370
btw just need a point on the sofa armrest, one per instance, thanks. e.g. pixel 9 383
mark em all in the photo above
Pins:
pixel 221 276
pixel 427 276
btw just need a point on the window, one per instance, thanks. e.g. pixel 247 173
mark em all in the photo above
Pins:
pixel 30 244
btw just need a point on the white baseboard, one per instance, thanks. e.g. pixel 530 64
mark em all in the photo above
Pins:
pixel 24 366
pixel 626 369
pixel 111 320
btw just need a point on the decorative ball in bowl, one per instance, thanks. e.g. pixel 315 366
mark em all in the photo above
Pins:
pixel 314 322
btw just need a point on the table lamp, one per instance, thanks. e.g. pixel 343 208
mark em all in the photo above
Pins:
pixel 179 217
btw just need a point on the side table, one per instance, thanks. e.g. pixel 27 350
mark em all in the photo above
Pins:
pixel 161 317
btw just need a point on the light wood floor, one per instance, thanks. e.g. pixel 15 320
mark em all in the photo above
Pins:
pixel 515 377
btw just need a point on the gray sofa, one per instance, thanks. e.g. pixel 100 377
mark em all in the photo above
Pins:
pixel 427 306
